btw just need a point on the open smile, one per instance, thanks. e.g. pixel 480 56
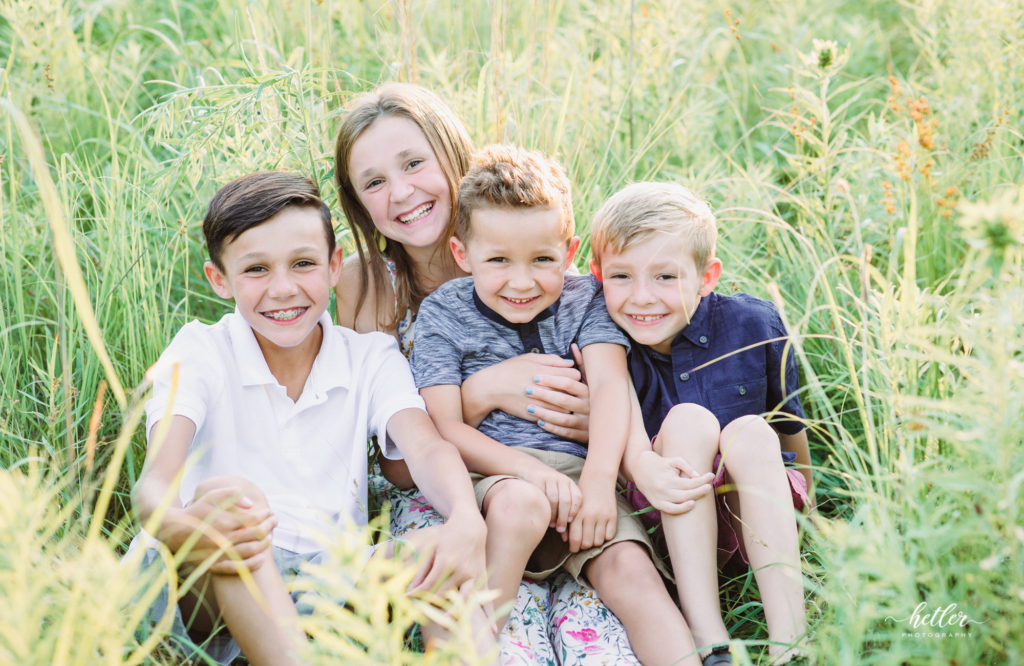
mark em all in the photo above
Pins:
pixel 519 302
pixel 416 214
pixel 646 320
pixel 284 316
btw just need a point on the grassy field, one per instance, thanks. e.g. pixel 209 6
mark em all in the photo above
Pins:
pixel 865 160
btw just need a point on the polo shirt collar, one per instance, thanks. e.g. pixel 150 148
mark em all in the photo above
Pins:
pixel 698 331
pixel 486 311
pixel 331 368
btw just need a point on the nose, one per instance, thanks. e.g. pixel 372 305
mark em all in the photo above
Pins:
pixel 401 188
pixel 281 284
pixel 642 292
pixel 520 278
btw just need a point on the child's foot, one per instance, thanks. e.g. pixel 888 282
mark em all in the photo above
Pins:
pixel 719 656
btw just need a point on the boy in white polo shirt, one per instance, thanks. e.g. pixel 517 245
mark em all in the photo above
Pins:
pixel 258 424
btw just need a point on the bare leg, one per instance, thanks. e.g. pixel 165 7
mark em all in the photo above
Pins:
pixel 764 513
pixel 691 432
pixel 262 619
pixel 265 625
pixel 422 541
pixel 628 583
pixel 517 515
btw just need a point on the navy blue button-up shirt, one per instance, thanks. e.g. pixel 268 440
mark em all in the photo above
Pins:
pixel 732 358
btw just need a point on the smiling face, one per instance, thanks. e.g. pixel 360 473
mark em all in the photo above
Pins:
pixel 400 182
pixel 280 274
pixel 653 287
pixel 518 259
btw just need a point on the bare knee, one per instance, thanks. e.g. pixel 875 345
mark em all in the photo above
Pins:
pixel 749 441
pixel 516 507
pixel 689 431
pixel 621 562
pixel 243 486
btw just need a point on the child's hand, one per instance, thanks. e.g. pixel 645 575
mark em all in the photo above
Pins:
pixel 232 523
pixel 597 519
pixel 543 388
pixel 456 555
pixel 561 491
pixel 671 485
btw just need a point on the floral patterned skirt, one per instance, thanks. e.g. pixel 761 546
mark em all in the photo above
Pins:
pixel 555 621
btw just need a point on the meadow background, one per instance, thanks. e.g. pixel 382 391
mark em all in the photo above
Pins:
pixel 865 160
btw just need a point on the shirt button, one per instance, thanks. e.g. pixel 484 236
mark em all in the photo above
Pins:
pixel 703 339
pixel 743 390
pixel 535 351
pixel 685 376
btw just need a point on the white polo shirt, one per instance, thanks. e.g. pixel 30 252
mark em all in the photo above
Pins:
pixel 308 457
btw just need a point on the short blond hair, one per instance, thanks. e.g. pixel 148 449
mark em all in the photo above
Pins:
pixel 639 210
pixel 510 177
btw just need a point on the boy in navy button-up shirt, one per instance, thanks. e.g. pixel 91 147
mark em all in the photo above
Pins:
pixel 717 385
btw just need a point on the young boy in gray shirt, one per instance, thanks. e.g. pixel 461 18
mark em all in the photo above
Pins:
pixel 514 235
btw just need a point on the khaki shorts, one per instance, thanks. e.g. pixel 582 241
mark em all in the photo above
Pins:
pixel 552 554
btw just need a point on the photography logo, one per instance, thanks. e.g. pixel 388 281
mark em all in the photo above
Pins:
pixel 941 622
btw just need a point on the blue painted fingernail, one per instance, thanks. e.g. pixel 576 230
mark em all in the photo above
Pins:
pixel 531 409
pixel 529 391
pixel 540 422
pixel 536 379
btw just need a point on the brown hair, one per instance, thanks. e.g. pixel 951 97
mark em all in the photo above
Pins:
pixel 513 177
pixel 639 210
pixel 451 145
pixel 251 200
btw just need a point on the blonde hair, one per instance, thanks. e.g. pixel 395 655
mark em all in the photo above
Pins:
pixel 639 210
pixel 503 176
pixel 452 146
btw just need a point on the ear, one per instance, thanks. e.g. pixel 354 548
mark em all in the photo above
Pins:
pixel 217 280
pixel 712 272
pixel 460 253
pixel 574 245
pixel 334 265
pixel 595 270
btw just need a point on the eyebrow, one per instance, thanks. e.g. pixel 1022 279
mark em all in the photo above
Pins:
pixel 408 152
pixel 260 256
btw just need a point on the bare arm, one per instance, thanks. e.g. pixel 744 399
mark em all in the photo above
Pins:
pixel 224 511
pixel 347 292
pixel 670 484
pixel 438 470
pixel 797 443
pixel 488 457
pixel 609 395
pixel 543 388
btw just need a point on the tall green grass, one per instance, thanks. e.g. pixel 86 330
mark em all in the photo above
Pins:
pixel 870 187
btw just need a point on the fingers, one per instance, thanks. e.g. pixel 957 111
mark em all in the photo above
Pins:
pixel 545 416
pixel 257 532
pixel 427 576
pixel 576 535
pixel 250 555
pixel 557 389
pixel 609 529
pixel 683 466
pixel 567 501
pixel 676 501
pixel 575 434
